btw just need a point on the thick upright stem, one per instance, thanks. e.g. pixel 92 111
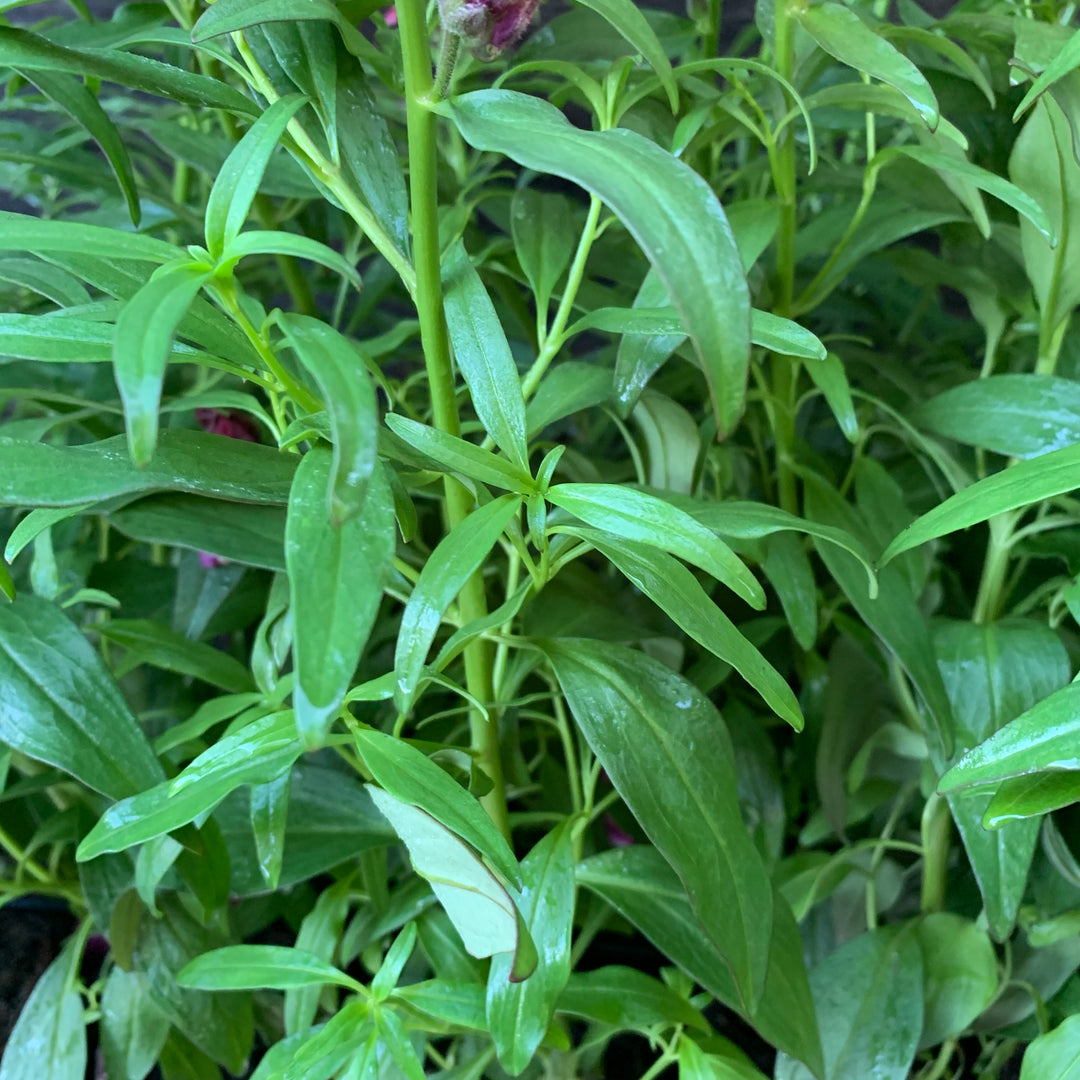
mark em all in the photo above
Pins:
pixel 423 181
pixel 784 368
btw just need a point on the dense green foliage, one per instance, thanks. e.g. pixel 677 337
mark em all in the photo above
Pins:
pixel 479 497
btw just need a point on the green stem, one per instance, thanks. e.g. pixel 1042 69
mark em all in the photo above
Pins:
pixel 991 592
pixel 444 73
pixel 785 370
pixel 936 828
pixel 937 1068
pixel 423 184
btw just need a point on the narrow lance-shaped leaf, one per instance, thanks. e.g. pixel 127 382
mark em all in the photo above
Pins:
pixel 844 36
pixel 22 232
pixel 264 242
pixel 667 752
pixel 1022 484
pixel 347 389
pixel 478 905
pixel 269 813
pixel 483 355
pixel 253 967
pixel 518 1014
pixel 457 557
pixel 336 576
pixel 413 778
pixel 669 210
pixel 238 181
pixel 543 229
pixel 639 516
pixel 1066 61
pixel 144 334
pixel 76 100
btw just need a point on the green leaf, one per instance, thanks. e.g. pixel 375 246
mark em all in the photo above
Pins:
pixel 636 515
pixel 1020 416
pixel 630 21
pixel 456 455
pixel 397 956
pixel 325 1051
pixel 542 226
pixel 668 209
pixel 991 183
pixel 666 750
pixel 411 777
pixel 894 615
pixel 644 889
pixel 254 967
pixel 253 755
pixel 627 999
pixel 28 52
pixel 238 181
pixel 1055 1055
pixel 336 577
pixel 239 532
pixel 1020 485
pixel 993 674
pixel 518 1013
pixel 483 355
pixel 843 35
pixel 52 282
pixel 695 1064
pixel 7 585
pixel 960 975
pixel 48 1041
pixel 456 558
pixel 347 389
pixel 1065 61
pixel 641 355
pixel 457 1003
pixel 133 1029
pixel 152 643
pixel 672 441
pixel 1042 164
pixel 260 242
pixel 571 387
pixel 831 379
pixel 676 591
pixel 1031 796
pixel 478 905
pixel 61 706
pixel 77 101
pixel 269 814
pixel 144 335
pixel 869 995
pixel 783 336
pixel 1041 739
pixel 22 232
pixel 787 566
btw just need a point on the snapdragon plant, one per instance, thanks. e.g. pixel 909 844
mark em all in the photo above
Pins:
pixel 536 546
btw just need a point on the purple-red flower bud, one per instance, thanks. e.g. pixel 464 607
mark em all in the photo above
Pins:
pixel 487 26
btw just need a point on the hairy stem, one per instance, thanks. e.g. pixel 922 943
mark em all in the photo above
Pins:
pixel 423 182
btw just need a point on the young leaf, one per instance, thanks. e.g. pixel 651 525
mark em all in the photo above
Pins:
pixel 542 225
pixel 261 242
pixel 518 1013
pixel 1066 61
pixel 636 515
pixel 666 750
pixel 255 967
pixel 347 389
pixel 644 889
pixel 238 181
pixel 61 706
pixel 48 1041
pixel 479 907
pixel 1031 796
pixel 484 357
pixel 397 956
pixel 676 591
pixel 1022 484
pixel 412 777
pixel 843 35
pixel 451 564
pixel 458 455
pixel 669 210
pixel 630 21
pixel 144 334
pixel 336 577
